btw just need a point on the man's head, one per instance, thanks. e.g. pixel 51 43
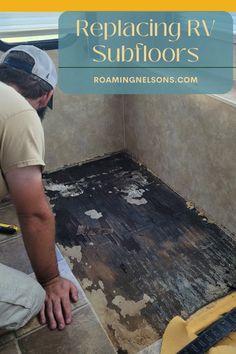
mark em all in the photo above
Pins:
pixel 32 73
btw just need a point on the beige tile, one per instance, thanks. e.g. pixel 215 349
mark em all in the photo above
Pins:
pixel 10 348
pixel 6 336
pixel 155 348
pixel 31 326
pixel 85 335
pixel 13 254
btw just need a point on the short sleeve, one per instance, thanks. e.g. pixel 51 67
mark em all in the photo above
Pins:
pixel 22 142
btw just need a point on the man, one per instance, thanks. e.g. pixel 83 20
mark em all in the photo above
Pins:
pixel 27 82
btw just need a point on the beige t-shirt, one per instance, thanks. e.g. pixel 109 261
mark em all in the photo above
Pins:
pixel 21 134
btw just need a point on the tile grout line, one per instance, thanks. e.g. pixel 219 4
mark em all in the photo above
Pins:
pixel 18 347
pixel 9 238
pixel 43 326
pixel 103 328
pixel 19 337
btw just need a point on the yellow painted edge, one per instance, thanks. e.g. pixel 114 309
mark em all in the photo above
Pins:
pixel 182 5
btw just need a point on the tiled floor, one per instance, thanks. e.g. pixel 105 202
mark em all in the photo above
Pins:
pixel 16 259
pixel 10 348
pixel 84 336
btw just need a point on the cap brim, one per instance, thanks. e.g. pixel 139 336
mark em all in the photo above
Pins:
pixel 50 103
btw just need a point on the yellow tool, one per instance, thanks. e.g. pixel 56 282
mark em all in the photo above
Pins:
pixel 8 229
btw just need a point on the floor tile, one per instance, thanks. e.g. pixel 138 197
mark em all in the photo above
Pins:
pixel 13 254
pixel 6 337
pixel 84 336
pixel 155 348
pixel 31 326
pixel 10 348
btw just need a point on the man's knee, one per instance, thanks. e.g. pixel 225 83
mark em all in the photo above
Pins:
pixel 36 297
pixel 20 303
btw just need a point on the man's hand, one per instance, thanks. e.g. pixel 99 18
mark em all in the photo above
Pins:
pixel 56 310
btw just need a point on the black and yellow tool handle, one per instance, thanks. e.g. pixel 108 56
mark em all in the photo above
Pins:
pixel 8 229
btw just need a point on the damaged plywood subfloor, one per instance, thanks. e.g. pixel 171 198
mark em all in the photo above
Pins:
pixel 140 253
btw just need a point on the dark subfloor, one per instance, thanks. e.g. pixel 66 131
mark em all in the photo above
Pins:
pixel 140 253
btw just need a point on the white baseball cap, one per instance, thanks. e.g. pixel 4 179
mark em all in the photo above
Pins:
pixel 43 66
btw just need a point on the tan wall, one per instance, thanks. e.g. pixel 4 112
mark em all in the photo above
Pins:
pixel 82 127
pixel 189 141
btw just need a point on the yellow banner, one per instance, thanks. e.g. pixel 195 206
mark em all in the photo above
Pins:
pixel 171 5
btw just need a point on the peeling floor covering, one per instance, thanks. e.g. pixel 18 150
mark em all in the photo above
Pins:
pixel 141 253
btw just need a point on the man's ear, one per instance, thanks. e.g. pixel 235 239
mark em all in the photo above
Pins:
pixel 43 100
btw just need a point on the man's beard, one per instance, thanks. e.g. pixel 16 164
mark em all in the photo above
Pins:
pixel 41 113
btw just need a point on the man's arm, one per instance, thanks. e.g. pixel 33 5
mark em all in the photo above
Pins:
pixel 38 229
